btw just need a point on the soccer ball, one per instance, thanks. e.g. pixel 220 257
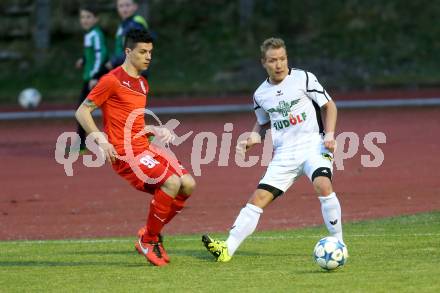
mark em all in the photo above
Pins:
pixel 29 98
pixel 330 253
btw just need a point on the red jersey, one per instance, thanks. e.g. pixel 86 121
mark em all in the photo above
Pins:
pixel 118 95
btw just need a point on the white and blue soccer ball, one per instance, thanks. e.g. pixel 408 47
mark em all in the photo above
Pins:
pixel 29 98
pixel 330 253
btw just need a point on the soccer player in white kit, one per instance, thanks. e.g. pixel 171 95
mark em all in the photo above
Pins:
pixel 289 102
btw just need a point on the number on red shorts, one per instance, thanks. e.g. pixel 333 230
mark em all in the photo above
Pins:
pixel 148 161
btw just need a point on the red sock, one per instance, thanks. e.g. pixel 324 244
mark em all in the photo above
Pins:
pixel 177 206
pixel 160 207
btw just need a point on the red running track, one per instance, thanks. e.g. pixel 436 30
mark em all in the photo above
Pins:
pixel 38 200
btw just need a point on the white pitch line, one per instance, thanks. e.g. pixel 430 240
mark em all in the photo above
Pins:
pixel 280 237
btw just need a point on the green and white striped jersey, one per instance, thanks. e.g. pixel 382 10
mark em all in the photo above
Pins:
pixel 95 52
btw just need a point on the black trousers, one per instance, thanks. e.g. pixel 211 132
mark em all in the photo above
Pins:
pixel 81 132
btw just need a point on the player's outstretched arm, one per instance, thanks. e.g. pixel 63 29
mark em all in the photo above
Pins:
pixel 257 135
pixel 261 130
pixel 330 116
pixel 84 116
pixel 165 135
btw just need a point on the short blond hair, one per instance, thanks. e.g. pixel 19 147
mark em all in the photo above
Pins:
pixel 271 43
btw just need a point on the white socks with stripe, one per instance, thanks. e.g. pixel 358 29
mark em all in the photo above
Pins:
pixel 331 212
pixel 244 226
pixel 249 216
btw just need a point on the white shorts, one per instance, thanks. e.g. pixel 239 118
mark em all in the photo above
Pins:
pixel 283 173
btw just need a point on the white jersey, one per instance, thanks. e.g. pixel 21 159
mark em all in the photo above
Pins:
pixel 293 109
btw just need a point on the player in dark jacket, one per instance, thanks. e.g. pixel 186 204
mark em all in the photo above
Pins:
pixel 130 20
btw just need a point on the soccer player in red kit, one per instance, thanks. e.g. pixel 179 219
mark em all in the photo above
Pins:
pixel 119 94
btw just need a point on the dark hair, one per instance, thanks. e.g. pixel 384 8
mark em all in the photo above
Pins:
pixel 135 36
pixel 92 8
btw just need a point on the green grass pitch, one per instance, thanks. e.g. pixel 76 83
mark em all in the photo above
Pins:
pixel 399 254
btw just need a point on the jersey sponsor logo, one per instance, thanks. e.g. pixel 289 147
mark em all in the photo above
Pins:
pixel 284 107
pixel 293 120
pixel 334 222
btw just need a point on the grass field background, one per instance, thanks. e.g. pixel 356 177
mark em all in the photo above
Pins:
pixel 392 255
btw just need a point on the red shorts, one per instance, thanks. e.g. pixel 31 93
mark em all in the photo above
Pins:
pixel 149 169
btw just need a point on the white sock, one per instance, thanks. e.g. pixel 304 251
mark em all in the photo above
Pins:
pixel 244 226
pixel 331 212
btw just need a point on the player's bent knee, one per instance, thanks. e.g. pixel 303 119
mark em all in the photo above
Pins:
pixel 322 172
pixel 188 184
pixel 271 189
pixel 261 198
pixel 172 185
pixel 322 185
